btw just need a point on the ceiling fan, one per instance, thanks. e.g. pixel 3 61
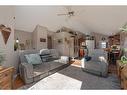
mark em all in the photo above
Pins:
pixel 70 13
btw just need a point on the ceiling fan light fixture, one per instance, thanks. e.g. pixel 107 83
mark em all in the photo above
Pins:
pixel 71 13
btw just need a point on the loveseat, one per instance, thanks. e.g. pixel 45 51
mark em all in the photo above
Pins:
pixel 51 63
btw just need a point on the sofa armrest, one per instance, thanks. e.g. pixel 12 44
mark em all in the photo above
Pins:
pixel 64 59
pixel 104 67
pixel 27 70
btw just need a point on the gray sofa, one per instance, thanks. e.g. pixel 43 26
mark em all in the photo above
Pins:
pixel 98 64
pixel 51 64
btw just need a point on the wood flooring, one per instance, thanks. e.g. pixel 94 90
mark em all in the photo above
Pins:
pixel 18 82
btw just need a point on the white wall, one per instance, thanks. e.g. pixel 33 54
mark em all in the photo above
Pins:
pixel 6 18
pixel 22 37
pixel 64 48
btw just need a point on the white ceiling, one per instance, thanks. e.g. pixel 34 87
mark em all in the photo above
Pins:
pixel 101 19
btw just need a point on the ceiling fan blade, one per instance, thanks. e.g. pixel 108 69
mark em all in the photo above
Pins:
pixel 61 14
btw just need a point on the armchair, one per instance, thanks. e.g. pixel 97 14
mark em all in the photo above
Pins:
pixel 98 64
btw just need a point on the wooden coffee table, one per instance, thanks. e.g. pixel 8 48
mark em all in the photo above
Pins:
pixel 76 62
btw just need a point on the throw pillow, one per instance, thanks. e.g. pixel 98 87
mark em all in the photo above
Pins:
pixel 87 58
pixel 33 59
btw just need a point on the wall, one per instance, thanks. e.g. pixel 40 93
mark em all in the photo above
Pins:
pixel 7 18
pixel 22 37
pixel 98 38
pixel 40 32
pixel 123 40
pixel 65 47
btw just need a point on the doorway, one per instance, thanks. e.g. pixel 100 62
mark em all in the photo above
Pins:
pixel 49 42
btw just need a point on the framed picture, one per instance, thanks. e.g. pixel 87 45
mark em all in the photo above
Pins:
pixel 22 46
pixel 42 40
pixel 6 31
pixel 59 41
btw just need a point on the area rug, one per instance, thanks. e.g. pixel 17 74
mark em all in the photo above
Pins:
pixel 74 78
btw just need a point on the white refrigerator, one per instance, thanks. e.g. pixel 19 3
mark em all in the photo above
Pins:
pixel 90 45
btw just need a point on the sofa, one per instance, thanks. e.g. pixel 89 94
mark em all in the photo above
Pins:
pixel 51 63
pixel 98 65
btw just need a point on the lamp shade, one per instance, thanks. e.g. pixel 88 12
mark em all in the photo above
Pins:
pixel 17 40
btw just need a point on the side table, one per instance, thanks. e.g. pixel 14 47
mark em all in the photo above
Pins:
pixel 120 66
pixel 124 78
pixel 6 78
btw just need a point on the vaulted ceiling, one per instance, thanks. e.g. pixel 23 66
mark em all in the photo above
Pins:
pixel 101 19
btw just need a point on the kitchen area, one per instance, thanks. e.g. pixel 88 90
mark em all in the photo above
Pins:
pixel 111 44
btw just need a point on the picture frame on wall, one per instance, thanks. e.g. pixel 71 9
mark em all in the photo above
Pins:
pixel 6 31
pixel 42 40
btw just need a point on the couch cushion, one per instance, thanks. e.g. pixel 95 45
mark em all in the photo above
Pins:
pixel 41 69
pixel 46 67
pixel 93 65
pixel 54 65
pixel 33 59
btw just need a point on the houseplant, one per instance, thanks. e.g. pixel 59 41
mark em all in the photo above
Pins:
pixel 124 57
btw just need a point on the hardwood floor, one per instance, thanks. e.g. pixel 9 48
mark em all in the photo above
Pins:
pixel 19 82
pixel 76 62
pixel 112 69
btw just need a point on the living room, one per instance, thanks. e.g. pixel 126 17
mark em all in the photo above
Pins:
pixel 63 47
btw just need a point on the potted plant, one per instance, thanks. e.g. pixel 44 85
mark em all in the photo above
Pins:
pixel 15 46
pixel 124 57
pixel 2 59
